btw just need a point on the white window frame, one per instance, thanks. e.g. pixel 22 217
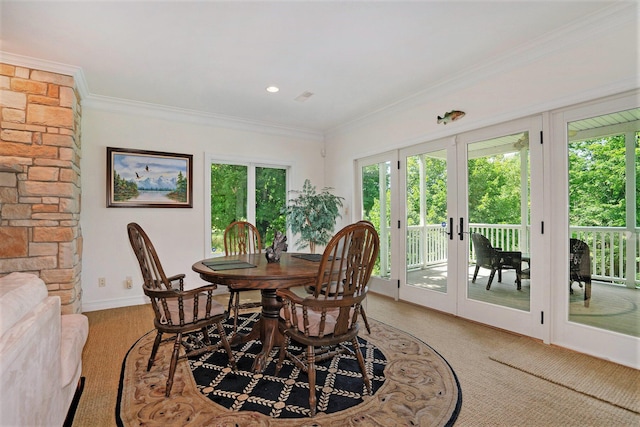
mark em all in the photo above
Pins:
pixel 213 158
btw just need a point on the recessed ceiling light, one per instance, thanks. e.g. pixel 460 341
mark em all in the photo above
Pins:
pixel 272 89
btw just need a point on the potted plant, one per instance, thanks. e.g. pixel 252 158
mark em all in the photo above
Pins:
pixel 312 215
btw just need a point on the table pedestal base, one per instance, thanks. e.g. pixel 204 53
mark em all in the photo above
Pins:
pixel 265 329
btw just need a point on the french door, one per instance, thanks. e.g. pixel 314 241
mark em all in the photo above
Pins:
pixel 447 190
pixel 428 183
pixel 377 202
pixel 527 197
pixel 596 168
pixel 500 255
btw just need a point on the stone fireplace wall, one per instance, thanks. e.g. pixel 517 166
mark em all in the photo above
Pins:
pixel 40 191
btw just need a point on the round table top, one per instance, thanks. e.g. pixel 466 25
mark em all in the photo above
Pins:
pixel 290 271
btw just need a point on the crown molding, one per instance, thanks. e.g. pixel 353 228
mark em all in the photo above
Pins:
pixel 118 105
pixel 49 66
pixel 572 34
pixel 154 110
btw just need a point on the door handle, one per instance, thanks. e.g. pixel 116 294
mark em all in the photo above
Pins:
pixel 450 232
pixel 461 232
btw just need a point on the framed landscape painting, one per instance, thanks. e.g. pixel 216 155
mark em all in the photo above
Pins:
pixel 148 179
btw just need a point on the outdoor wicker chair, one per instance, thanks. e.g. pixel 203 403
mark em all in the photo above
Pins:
pixel 580 267
pixel 495 260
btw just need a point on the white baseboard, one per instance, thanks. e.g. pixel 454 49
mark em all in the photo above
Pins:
pixel 113 303
pixel 126 302
pixel 388 291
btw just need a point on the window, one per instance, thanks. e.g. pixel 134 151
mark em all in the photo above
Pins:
pixel 249 192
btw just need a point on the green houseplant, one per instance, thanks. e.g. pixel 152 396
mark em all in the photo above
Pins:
pixel 312 215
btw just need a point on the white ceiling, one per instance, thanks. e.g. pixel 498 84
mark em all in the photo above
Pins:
pixel 218 57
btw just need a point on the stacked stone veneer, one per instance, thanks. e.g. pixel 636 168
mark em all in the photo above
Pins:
pixel 40 180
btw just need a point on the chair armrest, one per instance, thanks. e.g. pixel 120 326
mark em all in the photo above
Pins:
pixel 319 304
pixel 175 293
pixel 511 254
pixel 288 294
pixel 174 307
pixel 179 278
pixel 311 301
pixel 512 259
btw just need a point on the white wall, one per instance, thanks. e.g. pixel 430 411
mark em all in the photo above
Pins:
pixel 586 63
pixel 177 234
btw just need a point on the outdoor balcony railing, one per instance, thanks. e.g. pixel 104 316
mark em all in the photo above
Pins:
pixel 615 251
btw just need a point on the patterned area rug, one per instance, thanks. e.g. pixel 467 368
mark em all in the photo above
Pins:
pixel 286 395
pixel 412 385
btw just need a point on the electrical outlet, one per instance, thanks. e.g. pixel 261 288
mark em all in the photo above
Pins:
pixel 129 283
pixel 102 282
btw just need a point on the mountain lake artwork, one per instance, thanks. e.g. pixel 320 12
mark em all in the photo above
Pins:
pixel 140 178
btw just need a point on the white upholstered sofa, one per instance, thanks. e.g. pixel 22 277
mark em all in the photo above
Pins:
pixel 40 353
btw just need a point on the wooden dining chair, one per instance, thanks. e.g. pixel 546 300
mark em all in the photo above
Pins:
pixel 177 311
pixel 327 319
pixel 240 238
pixel 311 289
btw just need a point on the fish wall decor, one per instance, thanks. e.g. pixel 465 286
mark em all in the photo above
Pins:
pixel 451 116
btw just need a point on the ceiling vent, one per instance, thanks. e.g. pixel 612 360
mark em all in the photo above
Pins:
pixel 304 96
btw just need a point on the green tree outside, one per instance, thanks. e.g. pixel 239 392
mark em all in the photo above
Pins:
pixel 597 182
pixel 271 196
pixel 229 200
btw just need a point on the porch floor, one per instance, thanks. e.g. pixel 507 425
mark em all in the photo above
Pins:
pixel 612 307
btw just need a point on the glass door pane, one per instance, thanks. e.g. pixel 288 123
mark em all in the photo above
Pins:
pixel 427 238
pixel 501 255
pixel 271 196
pixel 376 207
pixel 498 217
pixel 376 202
pixel 594 199
pixel 604 255
pixel 430 241
pixel 228 200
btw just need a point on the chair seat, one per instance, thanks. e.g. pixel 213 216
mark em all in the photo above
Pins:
pixel 315 317
pixel 334 288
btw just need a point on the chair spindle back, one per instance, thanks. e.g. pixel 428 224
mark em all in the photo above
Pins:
pixel 241 237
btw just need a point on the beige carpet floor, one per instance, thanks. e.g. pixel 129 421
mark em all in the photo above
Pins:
pixel 493 394
pixel 607 381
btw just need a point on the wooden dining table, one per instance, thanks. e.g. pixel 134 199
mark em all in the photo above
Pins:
pixel 252 271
